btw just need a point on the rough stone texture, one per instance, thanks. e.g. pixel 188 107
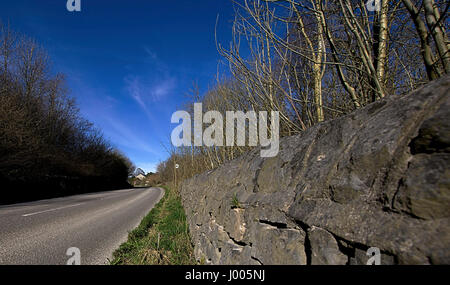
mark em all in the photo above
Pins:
pixel 324 248
pixel 378 177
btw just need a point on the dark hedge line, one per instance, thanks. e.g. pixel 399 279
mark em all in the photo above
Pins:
pixel 47 149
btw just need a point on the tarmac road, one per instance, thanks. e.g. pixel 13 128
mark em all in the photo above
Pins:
pixel 41 232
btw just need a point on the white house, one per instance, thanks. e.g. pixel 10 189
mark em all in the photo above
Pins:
pixel 140 177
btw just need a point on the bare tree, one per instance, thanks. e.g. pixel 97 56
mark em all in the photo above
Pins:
pixel 434 27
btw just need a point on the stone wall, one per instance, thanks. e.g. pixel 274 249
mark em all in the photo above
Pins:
pixel 378 177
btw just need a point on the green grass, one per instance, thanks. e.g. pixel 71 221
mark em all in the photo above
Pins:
pixel 162 237
pixel 235 202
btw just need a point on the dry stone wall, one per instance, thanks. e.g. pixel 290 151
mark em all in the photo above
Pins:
pixel 378 177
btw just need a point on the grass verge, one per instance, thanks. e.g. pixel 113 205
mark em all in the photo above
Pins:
pixel 162 237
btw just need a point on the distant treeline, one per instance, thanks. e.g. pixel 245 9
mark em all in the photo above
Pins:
pixel 46 148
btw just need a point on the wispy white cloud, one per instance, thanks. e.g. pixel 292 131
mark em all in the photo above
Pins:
pixel 135 89
pixel 150 53
pixel 153 83
pixel 145 92
pixel 163 88
pixel 125 136
pixel 104 110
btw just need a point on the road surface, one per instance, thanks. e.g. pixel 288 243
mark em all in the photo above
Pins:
pixel 41 232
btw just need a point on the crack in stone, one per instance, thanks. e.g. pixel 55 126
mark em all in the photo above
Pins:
pixel 278 225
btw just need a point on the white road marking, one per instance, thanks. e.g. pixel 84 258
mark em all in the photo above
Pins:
pixel 8 209
pixel 50 210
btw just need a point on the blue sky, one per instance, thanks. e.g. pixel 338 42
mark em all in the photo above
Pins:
pixel 129 64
